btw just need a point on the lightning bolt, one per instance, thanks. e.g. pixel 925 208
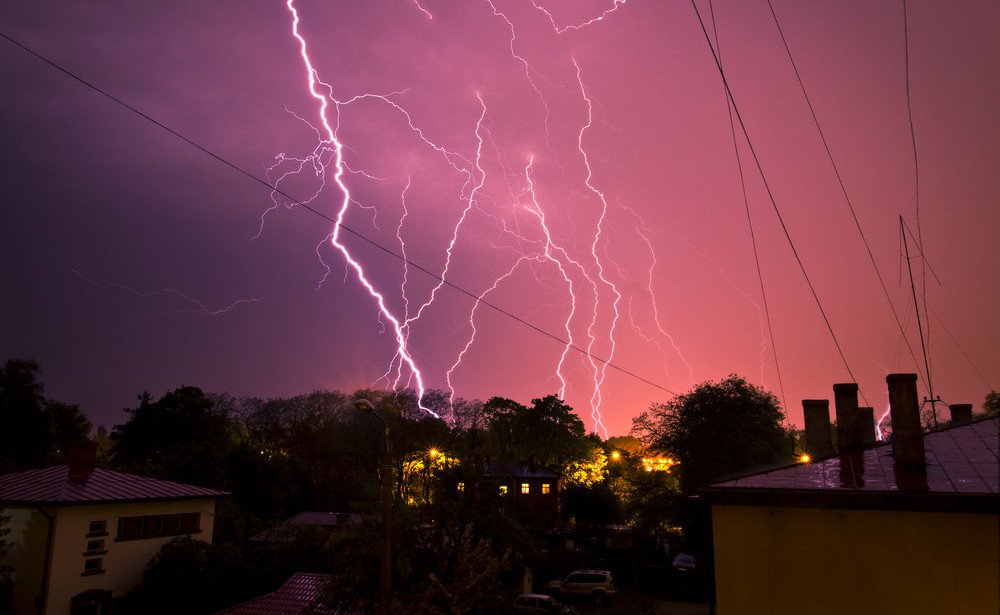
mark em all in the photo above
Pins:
pixel 600 372
pixel 328 142
pixel 199 306
pixel 579 26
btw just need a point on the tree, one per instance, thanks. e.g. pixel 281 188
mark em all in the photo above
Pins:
pixel 182 437
pixel 548 431
pixel 26 436
pixel 991 405
pixel 39 431
pixel 717 429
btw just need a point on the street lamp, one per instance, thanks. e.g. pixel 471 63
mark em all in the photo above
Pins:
pixel 385 477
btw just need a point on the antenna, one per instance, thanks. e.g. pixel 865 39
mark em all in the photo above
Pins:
pixel 923 346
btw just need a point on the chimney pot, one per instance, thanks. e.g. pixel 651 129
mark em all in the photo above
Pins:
pixel 907 434
pixel 866 418
pixel 82 460
pixel 961 414
pixel 816 413
pixel 845 396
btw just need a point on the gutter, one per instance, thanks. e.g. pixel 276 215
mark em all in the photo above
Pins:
pixel 46 567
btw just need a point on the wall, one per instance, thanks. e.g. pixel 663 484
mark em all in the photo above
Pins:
pixel 124 562
pixel 817 561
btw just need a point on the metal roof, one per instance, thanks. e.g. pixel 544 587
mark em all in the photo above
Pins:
pixel 961 463
pixel 52 486
pixel 299 592
pixel 285 531
pixel 516 469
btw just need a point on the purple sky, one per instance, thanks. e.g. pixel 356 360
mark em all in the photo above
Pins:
pixel 104 210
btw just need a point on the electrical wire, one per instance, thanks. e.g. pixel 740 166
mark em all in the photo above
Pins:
pixel 774 203
pixel 843 187
pixel 359 235
pixel 746 206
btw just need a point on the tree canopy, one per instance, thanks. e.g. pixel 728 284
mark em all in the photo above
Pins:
pixel 717 429
pixel 36 431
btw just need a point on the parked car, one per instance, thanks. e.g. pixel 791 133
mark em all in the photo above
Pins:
pixel 594 584
pixel 537 604
pixel 684 561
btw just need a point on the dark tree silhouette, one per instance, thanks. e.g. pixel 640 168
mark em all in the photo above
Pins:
pixel 717 429
pixel 182 436
pixel 36 431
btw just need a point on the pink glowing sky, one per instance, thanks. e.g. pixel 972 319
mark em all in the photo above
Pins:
pixel 104 209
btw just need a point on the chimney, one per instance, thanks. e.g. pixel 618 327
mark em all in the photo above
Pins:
pixel 82 459
pixel 866 417
pixel 961 414
pixel 907 435
pixel 816 413
pixel 845 397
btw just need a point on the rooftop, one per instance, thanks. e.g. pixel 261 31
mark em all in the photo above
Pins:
pixel 285 530
pixel 504 469
pixel 52 486
pixel 299 592
pixel 961 471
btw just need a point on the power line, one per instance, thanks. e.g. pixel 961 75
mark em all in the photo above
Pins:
pixel 843 187
pixel 916 167
pixel 774 203
pixel 353 232
pixel 746 206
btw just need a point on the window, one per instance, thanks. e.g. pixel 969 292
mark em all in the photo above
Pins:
pixel 92 566
pixel 546 488
pixel 98 528
pixel 95 547
pixel 503 489
pixel 461 487
pixel 525 488
pixel 158 526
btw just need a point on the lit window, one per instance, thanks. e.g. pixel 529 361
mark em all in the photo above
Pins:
pixel 461 487
pixel 93 566
pixel 546 488
pixel 525 488
pixel 503 489
pixel 97 528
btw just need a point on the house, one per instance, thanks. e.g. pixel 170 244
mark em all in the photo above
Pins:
pixel 300 592
pixel 528 491
pixel 911 526
pixel 81 536
pixel 287 530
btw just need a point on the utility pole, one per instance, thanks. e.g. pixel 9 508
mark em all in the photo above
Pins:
pixel 920 328
pixel 385 478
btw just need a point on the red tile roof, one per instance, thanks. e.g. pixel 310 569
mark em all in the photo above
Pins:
pixel 52 486
pixel 302 590
pixel 961 464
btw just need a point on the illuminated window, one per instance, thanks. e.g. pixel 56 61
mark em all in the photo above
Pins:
pixel 525 488
pixel 546 488
pixel 503 489
pixel 461 487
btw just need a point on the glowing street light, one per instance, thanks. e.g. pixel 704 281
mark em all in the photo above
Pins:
pixel 615 455
pixel 804 458
pixel 385 476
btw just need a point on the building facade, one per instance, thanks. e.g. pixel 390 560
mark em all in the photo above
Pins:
pixel 80 539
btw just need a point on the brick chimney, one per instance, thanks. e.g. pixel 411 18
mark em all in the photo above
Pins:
pixel 82 459
pixel 961 414
pixel 845 397
pixel 907 435
pixel 816 413
pixel 866 418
